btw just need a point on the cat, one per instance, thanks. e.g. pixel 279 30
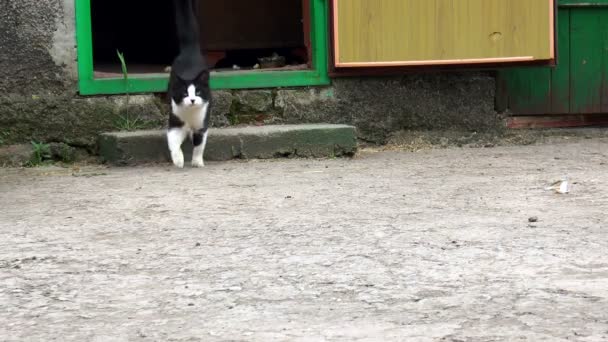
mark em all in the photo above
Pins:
pixel 189 117
pixel 188 90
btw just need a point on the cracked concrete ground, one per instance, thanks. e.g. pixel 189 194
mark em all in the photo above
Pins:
pixel 389 246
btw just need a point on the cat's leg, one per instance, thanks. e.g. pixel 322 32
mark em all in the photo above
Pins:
pixel 199 140
pixel 175 138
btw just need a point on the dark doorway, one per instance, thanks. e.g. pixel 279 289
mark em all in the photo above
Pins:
pixel 235 34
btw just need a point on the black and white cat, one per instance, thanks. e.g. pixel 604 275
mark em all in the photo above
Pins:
pixel 188 91
pixel 189 117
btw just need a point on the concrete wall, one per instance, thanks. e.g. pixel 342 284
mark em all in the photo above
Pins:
pixel 38 49
pixel 38 92
pixel 38 79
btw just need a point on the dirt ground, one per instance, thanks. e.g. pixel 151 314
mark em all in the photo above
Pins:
pixel 434 245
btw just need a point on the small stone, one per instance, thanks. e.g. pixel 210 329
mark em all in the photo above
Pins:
pixel 288 197
pixel 190 304
pixel 198 244
pixel 533 219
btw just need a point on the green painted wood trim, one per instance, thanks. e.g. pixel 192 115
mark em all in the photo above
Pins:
pixel 582 3
pixel 84 44
pixel 318 75
pixel 587 59
pixel 560 75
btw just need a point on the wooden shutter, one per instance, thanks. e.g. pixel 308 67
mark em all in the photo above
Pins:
pixel 384 33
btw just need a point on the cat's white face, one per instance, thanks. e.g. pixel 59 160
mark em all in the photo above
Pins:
pixel 192 97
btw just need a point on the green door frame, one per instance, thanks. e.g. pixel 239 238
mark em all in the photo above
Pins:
pixel 317 75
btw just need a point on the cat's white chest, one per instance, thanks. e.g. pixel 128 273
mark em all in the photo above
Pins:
pixel 192 116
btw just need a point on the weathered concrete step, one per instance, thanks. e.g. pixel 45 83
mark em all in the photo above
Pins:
pixel 259 142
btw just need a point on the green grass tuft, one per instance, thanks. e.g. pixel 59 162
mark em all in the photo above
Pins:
pixel 41 152
pixel 125 122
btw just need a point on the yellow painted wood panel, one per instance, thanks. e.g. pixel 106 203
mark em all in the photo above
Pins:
pixel 412 31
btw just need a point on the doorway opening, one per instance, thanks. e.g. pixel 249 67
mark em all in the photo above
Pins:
pixel 236 35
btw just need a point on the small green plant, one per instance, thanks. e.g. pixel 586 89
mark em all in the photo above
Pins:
pixel 125 122
pixel 40 153
pixel 125 72
pixel 233 119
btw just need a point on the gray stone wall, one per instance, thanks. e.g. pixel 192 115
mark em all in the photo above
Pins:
pixel 377 106
pixel 39 98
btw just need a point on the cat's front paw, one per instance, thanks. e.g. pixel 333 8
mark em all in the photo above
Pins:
pixel 198 162
pixel 178 159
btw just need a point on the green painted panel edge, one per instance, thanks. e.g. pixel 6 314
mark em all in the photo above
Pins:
pixel 317 76
pixel 582 3
pixel 586 55
pixel 560 75
pixel 604 70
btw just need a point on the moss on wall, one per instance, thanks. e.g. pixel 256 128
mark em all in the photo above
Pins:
pixel 74 121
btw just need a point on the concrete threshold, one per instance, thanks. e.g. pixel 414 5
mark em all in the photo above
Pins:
pixel 251 142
